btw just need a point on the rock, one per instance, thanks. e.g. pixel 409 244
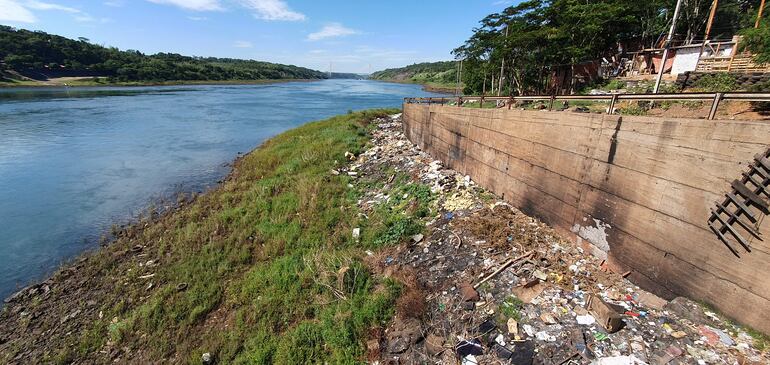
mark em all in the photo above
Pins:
pixel 406 332
pixel 417 238
pixel 70 316
pixel 679 334
pixel 513 326
pixel 356 232
pixel 373 346
pixel 467 293
pixel 434 344
pixel 684 308
pixel 650 300
pixel 398 345
pixel 207 359
pixel 620 360
pixel 548 318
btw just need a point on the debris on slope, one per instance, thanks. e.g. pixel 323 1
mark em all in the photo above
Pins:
pixel 502 287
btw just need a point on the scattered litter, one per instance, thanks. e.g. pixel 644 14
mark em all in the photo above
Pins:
pixel 559 305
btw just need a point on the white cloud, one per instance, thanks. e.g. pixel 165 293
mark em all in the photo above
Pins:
pixel 37 5
pixel 331 30
pixel 197 18
pixel 243 44
pixel 114 3
pixel 12 11
pixel 21 11
pixel 272 10
pixel 196 5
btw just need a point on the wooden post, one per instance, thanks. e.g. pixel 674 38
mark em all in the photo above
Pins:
pixel 612 103
pixel 759 14
pixel 711 20
pixel 714 106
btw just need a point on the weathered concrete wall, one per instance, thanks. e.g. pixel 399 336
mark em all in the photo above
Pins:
pixel 638 188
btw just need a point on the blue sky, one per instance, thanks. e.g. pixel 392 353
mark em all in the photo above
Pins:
pixel 351 34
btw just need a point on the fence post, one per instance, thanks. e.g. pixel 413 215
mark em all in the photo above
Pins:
pixel 612 103
pixel 459 101
pixel 481 102
pixel 510 102
pixel 715 105
pixel 550 102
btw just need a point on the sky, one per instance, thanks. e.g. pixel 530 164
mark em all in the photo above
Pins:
pixel 353 35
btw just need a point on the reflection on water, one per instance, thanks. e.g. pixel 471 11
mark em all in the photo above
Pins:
pixel 82 92
pixel 73 161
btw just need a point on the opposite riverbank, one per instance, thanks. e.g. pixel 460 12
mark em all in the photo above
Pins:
pixel 102 82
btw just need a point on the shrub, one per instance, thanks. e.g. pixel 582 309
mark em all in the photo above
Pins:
pixel 717 82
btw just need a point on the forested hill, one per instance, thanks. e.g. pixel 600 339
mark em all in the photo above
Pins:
pixel 440 73
pixel 40 53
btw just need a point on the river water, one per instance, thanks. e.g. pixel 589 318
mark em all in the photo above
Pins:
pixel 75 161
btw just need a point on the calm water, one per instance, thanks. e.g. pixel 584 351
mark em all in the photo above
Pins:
pixel 75 161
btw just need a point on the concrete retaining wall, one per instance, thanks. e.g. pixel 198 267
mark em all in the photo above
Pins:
pixel 638 188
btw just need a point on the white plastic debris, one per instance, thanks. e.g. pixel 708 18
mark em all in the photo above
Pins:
pixel 586 320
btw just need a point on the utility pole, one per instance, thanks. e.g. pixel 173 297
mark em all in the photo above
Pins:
pixel 711 20
pixel 502 64
pixel 759 15
pixel 667 45
pixel 459 77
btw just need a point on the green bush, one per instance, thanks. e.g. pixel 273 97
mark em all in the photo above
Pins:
pixel 716 82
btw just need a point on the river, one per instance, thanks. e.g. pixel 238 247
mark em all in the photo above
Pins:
pixel 75 161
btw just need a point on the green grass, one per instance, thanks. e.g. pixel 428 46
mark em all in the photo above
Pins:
pixel 511 308
pixel 273 273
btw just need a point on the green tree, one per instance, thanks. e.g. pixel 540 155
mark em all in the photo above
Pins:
pixel 757 41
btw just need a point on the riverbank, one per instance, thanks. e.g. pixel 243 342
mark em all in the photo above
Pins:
pixel 338 242
pixel 90 82
pixel 429 86
pixel 262 269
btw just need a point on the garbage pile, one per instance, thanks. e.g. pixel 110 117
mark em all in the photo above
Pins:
pixel 500 287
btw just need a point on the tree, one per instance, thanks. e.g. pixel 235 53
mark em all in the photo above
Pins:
pixel 757 41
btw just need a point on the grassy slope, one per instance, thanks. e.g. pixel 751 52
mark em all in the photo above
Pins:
pixel 434 75
pixel 263 259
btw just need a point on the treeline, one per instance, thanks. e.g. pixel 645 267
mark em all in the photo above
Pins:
pixel 23 51
pixel 530 40
pixel 423 73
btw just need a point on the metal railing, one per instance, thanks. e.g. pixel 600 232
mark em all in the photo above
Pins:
pixel 613 99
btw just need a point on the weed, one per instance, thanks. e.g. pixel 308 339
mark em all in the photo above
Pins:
pixel 511 308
